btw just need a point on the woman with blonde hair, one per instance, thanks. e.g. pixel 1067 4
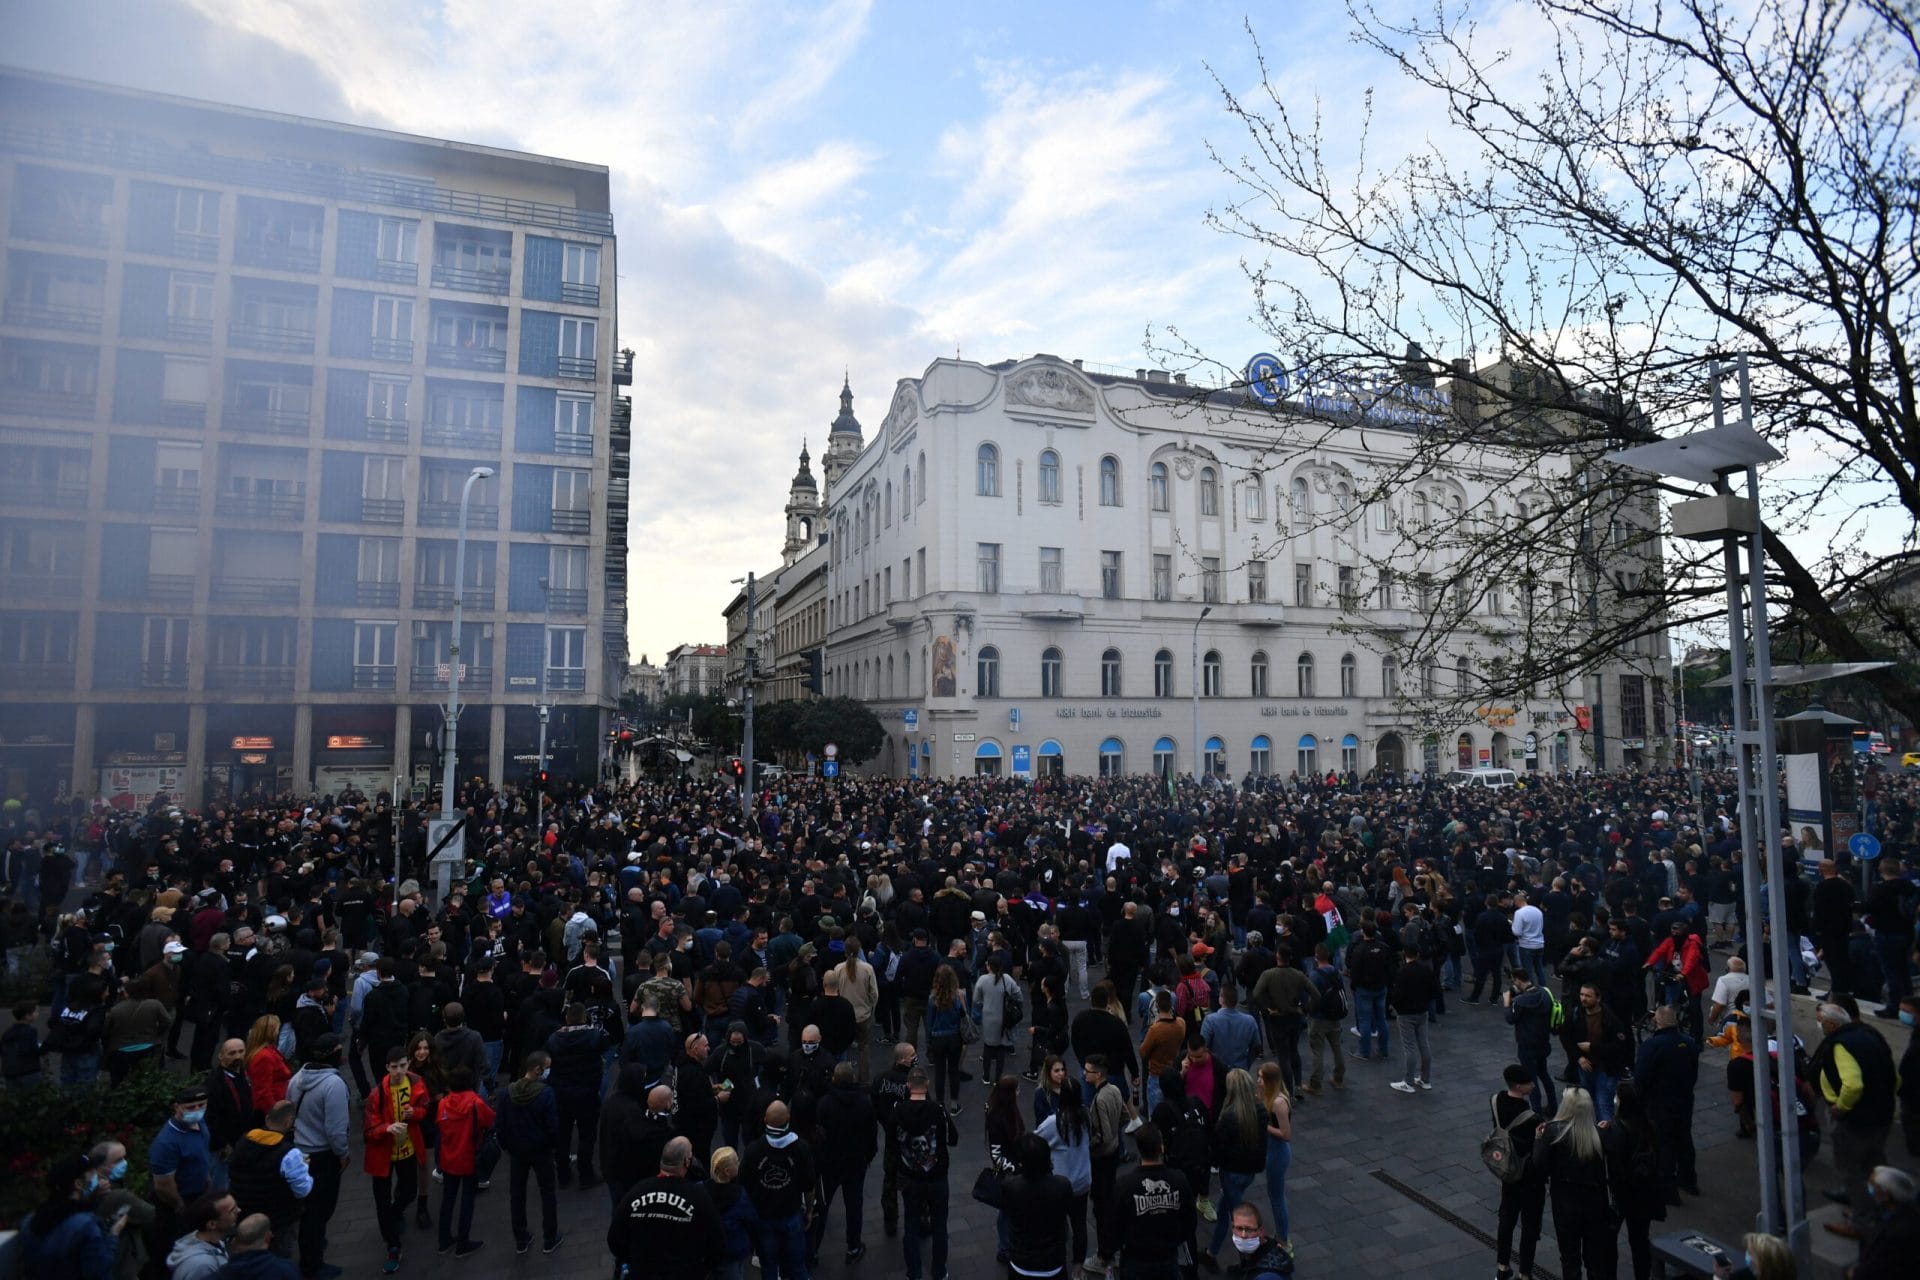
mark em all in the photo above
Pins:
pixel 1239 1152
pixel 266 1069
pixel 1768 1258
pixel 1569 1154
pixel 738 1222
pixel 860 987
pixel 1279 1117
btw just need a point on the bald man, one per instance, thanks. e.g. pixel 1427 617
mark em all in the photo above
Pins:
pixel 778 1174
pixel 229 1104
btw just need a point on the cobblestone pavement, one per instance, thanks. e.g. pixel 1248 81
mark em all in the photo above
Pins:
pixel 1357 1155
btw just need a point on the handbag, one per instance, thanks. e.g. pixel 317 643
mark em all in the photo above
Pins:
pixel 986 1187
pixel 969 1030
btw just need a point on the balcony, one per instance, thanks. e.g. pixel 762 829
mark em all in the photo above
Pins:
pixel 38 586
pixel 169 588
pixel 399 350
pixel 394 271
pixel 260 506
pixel 375 678
pixel 479 599
pixel 383 510
pixel 175 500
pixel 62 229
pixel 26 492
pixel 34 315
pixel 191 244
pixel 569 521
pixel 389 430
pixel 580 295
pixel 622 371
pixel 573 443
pixel 186 329
pixel 578 366
pixel 1051 606
pixel 271 337
pixel 254 591
pixel 381 594
pixel 181 413
pixel 36 675
pixel 487 359
pixel 275 255
pixel 435 677
pixel 35 402
pixel 163 675
pixel 448 435
pixel 566 679
pixel 248 677
pixel 566 599
pixel 469 280
pixel 272 422
pixel 446 515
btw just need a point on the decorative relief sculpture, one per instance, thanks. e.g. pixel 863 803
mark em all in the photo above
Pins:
pixel 1050 389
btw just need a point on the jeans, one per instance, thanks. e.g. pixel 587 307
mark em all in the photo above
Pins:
pixel 926 1205
pixel 1534 961
pixel 913 1012
pixel 1601 1086
pixel 1413 1040
pixel 1893 948
pixel 578 1109
pixel 1857 1149
pixel 391 1196
pixel 945 1052
pixel 540 1167
pixel 1279 1159
pixel 1283 1041
pixel 495 1049
pixel 79 1068
pixel 1586 1233
pixel 1522 1204
pixel 1076 970
pixel 1676 1149
pixel 1486 973
pixel 1544 1100
pixel 1233 1189
pixel 852 1186
pixel 318 1209
pixel 458 1187
pixel 783 1248
pixel 1370 1015
pixel 1326 1033
pixel 1450 973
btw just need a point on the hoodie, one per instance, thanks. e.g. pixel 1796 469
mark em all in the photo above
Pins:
pixel 624 1156
pixel 528 1118
pixel 258 1264
pixel 462 1047
pixel 322 1107
pixel 464 1119
pixel 195 1259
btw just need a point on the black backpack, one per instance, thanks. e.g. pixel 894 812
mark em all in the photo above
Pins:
pixel 1187 1146
pixel 1333 1002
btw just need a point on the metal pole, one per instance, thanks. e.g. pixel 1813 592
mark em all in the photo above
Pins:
pixel 546 653
pixel 746 736
pixel 1199 755
pixel 1596 724
pixel 453 653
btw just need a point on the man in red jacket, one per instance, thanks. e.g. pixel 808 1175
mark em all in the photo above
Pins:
pixel 396 1146
pixel 464 1119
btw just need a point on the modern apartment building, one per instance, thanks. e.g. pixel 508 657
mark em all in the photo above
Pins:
pixel 248 362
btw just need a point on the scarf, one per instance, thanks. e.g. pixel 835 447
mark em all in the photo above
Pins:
pixel 400 1091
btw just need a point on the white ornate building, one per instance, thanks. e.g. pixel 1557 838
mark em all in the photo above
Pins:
pixel 1032 565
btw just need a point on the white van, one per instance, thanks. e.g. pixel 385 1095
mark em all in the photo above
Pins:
pixel 1485 779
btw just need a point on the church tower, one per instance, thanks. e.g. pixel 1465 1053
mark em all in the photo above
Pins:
pixel 803 513
pixel 844 440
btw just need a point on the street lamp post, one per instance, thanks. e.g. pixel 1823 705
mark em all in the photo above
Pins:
pixel 540 774
pixel 1198 754
pixel 443 872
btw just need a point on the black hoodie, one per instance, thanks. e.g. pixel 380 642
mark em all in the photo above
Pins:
pixel 622 1127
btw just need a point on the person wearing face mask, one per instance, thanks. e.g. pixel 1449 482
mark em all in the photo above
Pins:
pixel 1909 1091
pixel 1260 1256
pixel 113 1199
pixel 63 1237
pixel 778 1171
pixel 396 1155
pixel 528 1123
pixel 180 1158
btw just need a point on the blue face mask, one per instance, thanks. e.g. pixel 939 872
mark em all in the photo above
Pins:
pixel 1906 1017
pixel 93 1183
pixel 118 1171
pixel 193 1117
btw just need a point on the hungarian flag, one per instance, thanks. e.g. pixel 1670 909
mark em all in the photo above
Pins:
pixel 1336 927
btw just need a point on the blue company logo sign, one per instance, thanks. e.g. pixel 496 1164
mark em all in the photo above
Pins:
pixel 1267 379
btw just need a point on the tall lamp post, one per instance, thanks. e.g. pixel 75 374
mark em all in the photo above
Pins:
pixel 443 872
pixel 546 654
pixel 1198 754
pixel 1713 457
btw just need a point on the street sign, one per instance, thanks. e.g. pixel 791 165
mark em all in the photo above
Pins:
pixel 1864 846
pixel 833 749
pixel 910 720
pixel 1013 717
pixel 831 769
pixel 453 852
pixel 1022 761
pixel 963 737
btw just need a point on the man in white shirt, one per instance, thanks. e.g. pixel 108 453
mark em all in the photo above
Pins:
pixel 1117 853
pixel 1530 933
pixel 1728 989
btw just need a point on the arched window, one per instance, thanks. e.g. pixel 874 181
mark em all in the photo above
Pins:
pixel 1302 503
pixel 906 494
pixel 1463 751
pixel 1216 761
pixel 1110 674
pixel 1163 757
pixel 1257 672
pixel 1109 481
pixel 1349 676
pixel 1053 762
pixel 1157 497
pixel 1421 516
pixel 1307 763
pixel 1456 507
pixel 987 472
pixel 1350 754
pixel 1050 673
pixel 1113 755
pixel 920 493
pixel 1466 674
pixel 1256 499
pixel 1343 498
pixel 1210 674
pixel 1049 476
pixel 887 519
pixel 1429 677
pixel 987 673
pixel 887 692
pixel 1390 676
pixel 1163 674
pixel 1303 676
pixel 986 760
pixel 1260 756
pixel 1209 492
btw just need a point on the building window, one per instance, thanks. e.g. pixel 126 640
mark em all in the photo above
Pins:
pixel 1429 678
pixel 1633 707
pixel 1350 754
pixel 1303 676
pixel 1157 488
pixel 1386 589
pixel 1463 751
pixel 1209 492
pixel 1210 579
pixel 1210 682
pixel 1260 756
pixel 1343 499
pixel 1256 500
pixel 1307 764
pixel 989 567
pixel 1302 503
pixel 1421 516
pixel 580 275
pixel 1113 757
pixel 1052 569
pixel 1257 673
pixel 1163 757
pixel 886 516
pixel 1390 676
pixel 987 472
pixel 1163 674
pixel 1349 676
pixel 1049 476
pixel 1162 576
pixel 1215 761
pixel 1110 575
pixel 1257 581
pixel 1349 583
pixel 1050 673
pixel 1466 674
pixel 1303 584
pixel 1109 481
pixel 987 673
pixel 1110 674
pixel 920 481
pixel 906 495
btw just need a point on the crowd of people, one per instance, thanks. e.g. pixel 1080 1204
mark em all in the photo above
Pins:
pixel 722 1024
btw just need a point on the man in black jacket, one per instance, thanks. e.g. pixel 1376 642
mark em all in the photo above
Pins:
pixel 1150 1213
pixel 779 1175
pixel 576 1048
pixel 1597 1043
pixel 921 1134
pixel 485 1003
pixel 630 1140
pixel 888 1092
pixel 846 1140
pixel 917 968
pixel 528 1122
pixel 204 998
pixel 229 1103
pixel 1667 1068
pixel 1530 1011
pixel 668 1228
pixel 383 1017
pixel 1370 969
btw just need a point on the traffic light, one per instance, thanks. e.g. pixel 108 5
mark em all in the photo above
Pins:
pixel 738 766
pixel 545 778
pixel 815 681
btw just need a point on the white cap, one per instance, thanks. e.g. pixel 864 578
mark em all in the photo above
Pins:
pixel 175 948
pixel 276 922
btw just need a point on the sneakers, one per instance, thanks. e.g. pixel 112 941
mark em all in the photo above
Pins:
pixel 521 1246
pixel 467 1249
pixel 1402 1086
pixel 953 1109
pixel 393 1260
pixel 1426 1086
pixel 1207 1213
pixel 554 1243
pixel 1309 1088
pixel 1339 1083
pixel 1030 1076
pixel 856 1253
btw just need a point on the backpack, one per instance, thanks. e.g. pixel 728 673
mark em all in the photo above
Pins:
pixel 1192 1004
pixel 1497 1150
pixel 1014 1004
pixel 1557 1018
pixel 1333 1002
pixel 1187 1147
pixel 890 965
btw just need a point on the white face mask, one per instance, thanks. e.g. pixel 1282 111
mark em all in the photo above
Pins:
pixel 1242 1244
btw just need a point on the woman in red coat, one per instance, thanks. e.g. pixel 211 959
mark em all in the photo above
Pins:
pixel 396 1147
pixel 464 1118
pixel 266 1069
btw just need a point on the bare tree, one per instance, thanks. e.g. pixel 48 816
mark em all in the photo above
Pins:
pixel 1647 187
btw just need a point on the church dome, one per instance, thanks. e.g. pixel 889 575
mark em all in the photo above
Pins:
pixel 846 423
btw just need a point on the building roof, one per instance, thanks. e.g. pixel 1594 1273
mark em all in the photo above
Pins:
pixel 846 423
pixel 803 478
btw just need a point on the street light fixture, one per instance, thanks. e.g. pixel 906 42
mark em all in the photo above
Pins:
pixel 443 871
pixel 1198 755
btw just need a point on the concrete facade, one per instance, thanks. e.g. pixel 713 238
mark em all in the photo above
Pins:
pixel 247 362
